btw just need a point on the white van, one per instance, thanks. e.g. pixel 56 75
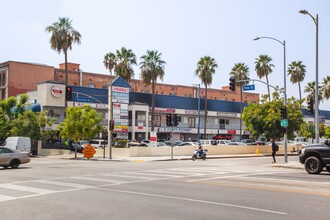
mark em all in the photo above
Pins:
pixel 18 143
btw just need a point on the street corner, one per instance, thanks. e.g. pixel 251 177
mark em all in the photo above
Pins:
pixel 290 165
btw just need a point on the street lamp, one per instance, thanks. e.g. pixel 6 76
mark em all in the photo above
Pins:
pixel 285 97
pixel 316 21
pixel 199 113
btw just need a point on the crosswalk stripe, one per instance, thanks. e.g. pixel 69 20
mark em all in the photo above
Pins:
pixel 157 174
pixel 27 189
pixel 6 198
pixel 131 176
pixel 58 183
pixel 97 179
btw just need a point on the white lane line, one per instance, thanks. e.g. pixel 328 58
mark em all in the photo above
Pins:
pixel 72 185
pixel 128 176
pixel 196 200
pixel 27 189
pixel 6 198
pixel 97 179
pixel 287 180
pixel 231 176
pixel 157 174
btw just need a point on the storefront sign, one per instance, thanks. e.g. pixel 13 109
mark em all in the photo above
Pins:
pixel 56 91
pixel 169 110
pixel 178 130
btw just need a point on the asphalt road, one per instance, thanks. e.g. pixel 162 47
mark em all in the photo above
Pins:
pixel 232 188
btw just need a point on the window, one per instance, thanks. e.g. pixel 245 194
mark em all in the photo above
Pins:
pixel 157 121
pixel 191 122
pixel 223 123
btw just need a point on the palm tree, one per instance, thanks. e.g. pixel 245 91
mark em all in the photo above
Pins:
pixel 152 68
pixel 263 68
pixel 63 36
pixel 241 72
pixel 326 87
pixel 310 90
pixel 205 69
pixel 297 72
pixel 110 62
pixel 125 59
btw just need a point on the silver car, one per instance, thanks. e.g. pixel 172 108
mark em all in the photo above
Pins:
pixel 13 158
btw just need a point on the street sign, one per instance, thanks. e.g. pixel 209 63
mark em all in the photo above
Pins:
pixel 248 87
pixel 79 99
pixel 284 123
pixel 89 151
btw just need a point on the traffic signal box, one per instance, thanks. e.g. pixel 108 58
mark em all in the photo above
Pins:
pixel 111 125
pixel 284 113
pixel 175 120
pixel 168 120
pixel 68 93
pixel 310 106
pixel 232 84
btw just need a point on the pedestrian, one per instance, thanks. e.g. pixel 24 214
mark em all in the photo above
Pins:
pixel 327 142
pixel 274 149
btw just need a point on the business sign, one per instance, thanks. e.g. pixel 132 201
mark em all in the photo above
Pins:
pixel 248 87
pixel 153 139
pixel 120 100
pixel 56 91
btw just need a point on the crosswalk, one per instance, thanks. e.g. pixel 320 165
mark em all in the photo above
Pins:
pixel 39 187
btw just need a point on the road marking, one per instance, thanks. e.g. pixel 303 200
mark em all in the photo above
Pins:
pixel 72 185
pixel 157 174
pixel 97 179
pixel 6 198
pixel 195 200
pixel 232 176
pixel 129 176
pixel 286 180
pixel 27 189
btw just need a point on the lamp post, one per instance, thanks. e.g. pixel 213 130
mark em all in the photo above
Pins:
pixel 199 113
pixel 316 21
pixel 285 97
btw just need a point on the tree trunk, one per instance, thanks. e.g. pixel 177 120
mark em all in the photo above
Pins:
pixel 205 108
pixel 268 88
pixel 153 106
pixel 299 91
pixel 66 66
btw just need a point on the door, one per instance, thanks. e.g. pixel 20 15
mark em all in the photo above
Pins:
pixel 5 155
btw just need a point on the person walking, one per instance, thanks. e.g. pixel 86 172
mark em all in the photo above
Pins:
pixel 274 149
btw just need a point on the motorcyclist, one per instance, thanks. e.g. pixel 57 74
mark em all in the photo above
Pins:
pixel 201 150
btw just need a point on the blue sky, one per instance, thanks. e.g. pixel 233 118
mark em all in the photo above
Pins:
pixel 182 30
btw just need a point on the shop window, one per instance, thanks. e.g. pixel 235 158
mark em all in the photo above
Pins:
pixel 191 122
pixel 157 121
pixel 223 123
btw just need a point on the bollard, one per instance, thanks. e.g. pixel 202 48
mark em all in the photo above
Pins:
pixel 257 152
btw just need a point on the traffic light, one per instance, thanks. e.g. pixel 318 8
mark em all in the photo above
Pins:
pixel 111 125
pixel 232 84
pixel 68 93
pixel 284 113
pixel 175 120
pixel 310 105
pixel 169 120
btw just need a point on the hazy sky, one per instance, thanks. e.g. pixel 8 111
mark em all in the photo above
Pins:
pixel 182 30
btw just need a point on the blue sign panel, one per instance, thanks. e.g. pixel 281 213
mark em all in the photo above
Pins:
pixel 78 99
pixel 248 87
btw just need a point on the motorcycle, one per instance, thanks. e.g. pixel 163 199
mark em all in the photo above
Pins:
pixel 198 155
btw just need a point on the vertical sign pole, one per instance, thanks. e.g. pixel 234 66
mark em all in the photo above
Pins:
pixel 110 118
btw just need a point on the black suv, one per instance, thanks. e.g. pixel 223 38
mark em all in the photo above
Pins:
pixel 315 157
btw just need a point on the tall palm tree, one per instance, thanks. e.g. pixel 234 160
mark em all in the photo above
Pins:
pixel 205 70
pixel 110 62
pixel 297 71
pixel 125 59
pixel 310 90
pixel 152 67
pixel 263 67
pixel 63 36
pixel 326 87
pixel 241 72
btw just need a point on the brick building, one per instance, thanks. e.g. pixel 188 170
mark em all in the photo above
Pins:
pixel 20 77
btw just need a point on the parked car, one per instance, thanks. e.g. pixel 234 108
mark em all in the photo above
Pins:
pixel 18 143
pixel 162 144
pixel 80 145
pixel 187 143
pixel 13 158
pixel 98 143
pixel 133 143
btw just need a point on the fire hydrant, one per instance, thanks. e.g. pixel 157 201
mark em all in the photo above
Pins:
pixel 257 152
